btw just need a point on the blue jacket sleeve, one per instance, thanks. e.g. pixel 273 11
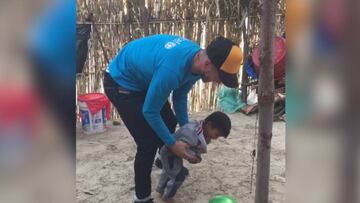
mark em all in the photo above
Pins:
pixel 163 82
pixel 179 99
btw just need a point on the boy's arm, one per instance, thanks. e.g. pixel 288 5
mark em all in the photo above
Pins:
pixel 189 136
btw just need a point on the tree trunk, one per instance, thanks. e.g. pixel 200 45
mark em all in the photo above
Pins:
pixel 266 100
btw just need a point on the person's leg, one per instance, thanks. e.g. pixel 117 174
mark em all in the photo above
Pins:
pixel 177 173
pixel 174 184
pixel 170 121
pixel 168 116
pixel 163 179
pixel 165 155
pixel 130 107
pixel 158 162
pixel 145 154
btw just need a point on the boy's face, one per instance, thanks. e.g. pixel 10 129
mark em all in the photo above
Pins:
pixel 211 133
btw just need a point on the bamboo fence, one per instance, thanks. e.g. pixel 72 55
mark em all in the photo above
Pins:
pixel 117 22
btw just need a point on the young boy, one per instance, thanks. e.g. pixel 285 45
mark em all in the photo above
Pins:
pixel 197 135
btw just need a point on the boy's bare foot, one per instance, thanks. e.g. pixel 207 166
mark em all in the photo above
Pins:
pixel 159 194
pixel 169 200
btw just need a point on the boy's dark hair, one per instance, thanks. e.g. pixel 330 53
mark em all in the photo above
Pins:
pixel 220 121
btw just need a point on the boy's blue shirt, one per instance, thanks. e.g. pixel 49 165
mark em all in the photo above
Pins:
pixel 158 64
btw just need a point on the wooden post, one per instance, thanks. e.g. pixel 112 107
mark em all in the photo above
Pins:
pixel 266 100
pixel 128 21
pixel 244 77
pixel 144 16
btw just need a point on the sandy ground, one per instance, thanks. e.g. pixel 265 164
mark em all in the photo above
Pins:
pixel 105 166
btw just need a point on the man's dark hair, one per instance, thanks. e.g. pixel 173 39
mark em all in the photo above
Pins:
pixel 220 121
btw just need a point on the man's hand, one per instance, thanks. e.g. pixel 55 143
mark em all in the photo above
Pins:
pixel 197 160
pixel 180 150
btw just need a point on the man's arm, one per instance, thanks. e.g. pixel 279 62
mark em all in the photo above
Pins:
pixel 197 155
pixel 180 102
pixel 162 83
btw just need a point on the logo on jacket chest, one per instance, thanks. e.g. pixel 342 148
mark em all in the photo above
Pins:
pixel 173 43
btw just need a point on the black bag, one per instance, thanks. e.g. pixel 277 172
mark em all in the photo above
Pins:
pixel 82 37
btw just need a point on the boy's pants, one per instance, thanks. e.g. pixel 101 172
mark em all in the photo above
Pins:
pixel 172 175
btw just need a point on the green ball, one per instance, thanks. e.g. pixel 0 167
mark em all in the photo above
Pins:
pixel 223 199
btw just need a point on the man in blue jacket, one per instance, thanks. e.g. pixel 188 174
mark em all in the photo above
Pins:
pixel 142 76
